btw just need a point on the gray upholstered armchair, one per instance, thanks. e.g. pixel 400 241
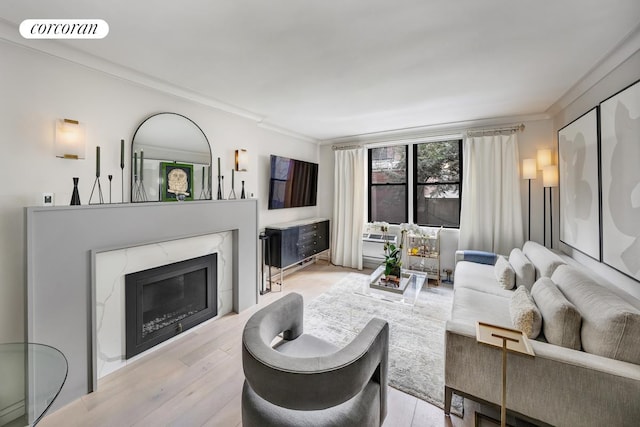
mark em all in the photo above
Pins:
pixel 306 381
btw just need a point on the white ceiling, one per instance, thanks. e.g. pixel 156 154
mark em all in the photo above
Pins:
pixel 332 68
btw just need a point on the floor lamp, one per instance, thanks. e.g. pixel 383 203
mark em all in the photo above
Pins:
pixel 544 159
pixel 529 172
pixel 550 180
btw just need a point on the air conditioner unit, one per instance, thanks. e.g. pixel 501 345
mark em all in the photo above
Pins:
pixel 373 248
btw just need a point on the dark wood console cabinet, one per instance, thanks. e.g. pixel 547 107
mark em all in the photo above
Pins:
pixel 292 243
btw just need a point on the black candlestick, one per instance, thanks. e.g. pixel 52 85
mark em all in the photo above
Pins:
pixel 122 167
pixel 97 181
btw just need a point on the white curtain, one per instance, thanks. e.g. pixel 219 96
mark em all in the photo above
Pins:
pixel 491 211
pixel 348 208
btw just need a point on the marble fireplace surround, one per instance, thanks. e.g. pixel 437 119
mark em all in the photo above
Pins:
pixel 110 270
pixel 62 244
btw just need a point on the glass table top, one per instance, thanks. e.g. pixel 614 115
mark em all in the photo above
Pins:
pixel 407 292
pixel 31 377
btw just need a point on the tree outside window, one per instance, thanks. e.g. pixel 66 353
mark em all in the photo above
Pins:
pixel 437 183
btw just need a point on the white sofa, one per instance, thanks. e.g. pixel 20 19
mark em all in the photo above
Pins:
pixel 597 385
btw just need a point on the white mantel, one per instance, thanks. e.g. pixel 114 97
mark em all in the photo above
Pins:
pixel 62 244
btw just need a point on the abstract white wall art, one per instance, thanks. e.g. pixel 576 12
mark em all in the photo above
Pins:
pixel 579 195
pixel 620 156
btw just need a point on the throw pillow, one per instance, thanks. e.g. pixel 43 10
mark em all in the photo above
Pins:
pixel 524 314
pixel 504 273
pixel 610 325
pixel 544 260
pixel 523 268
pixel 561 321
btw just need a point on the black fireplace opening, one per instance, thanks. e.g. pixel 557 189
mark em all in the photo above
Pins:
pixel 164 301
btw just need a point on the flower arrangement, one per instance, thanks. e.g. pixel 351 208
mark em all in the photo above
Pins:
pixel 392 253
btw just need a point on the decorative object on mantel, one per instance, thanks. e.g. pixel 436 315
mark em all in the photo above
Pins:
pixel 222 187
pixel 176 181
pixel 122 166
pixel 203 191
pixel 220 178
pixel 75 196
pixel 69 140
pixel 232 194
pixel 139 194
pixel 242 194
pixel 110 179
pixel 507 339
pixel 170 137
pixel 97 181
pixel 208 194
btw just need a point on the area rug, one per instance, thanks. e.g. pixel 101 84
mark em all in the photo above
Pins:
pixel 416 342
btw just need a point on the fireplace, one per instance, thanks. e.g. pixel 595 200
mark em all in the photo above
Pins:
pixel 162 302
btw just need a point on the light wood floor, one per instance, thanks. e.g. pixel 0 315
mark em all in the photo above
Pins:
pixel 197 380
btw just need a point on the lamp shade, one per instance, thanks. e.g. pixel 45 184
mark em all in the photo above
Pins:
pixel 550 176
pixel 69 142
pixel 544 158
pixel 529 169
pixel 242 160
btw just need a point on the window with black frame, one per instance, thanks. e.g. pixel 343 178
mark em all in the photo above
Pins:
pixel 437 172
pixel 388 176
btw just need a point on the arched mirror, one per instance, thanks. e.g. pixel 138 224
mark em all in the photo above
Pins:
pixel 171 160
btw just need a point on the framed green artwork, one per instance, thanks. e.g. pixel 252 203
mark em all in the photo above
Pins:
pixel 176 181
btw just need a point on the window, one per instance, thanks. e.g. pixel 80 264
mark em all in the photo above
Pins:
pixel 436 180
pixel 425 181
pixel 388 175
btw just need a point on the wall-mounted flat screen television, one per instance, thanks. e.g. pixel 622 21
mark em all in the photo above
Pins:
pixel 293 183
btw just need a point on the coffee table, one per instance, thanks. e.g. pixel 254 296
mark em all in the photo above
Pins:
pixel 407 293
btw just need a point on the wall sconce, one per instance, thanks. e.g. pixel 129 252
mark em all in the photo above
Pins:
pixel 242 160
pixel 549 179
pixel 544 158
pixel 529 172
pixel 69 141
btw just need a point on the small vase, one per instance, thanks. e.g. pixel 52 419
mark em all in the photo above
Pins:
pixel 75 196
pixel 242 194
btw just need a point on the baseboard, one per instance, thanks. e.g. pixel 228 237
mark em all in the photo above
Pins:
pixel 12 412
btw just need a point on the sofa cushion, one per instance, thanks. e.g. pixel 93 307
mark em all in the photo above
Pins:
pixel 610 325
pixel 504 273
pixel 471 305
pixel 561 320
pixel 525 316
pixel 480 277
pixel 544 261
pixel 523 268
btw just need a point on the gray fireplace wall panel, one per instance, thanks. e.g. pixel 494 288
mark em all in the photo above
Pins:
pixel 62 241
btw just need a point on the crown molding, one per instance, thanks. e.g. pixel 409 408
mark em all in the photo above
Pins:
pixel 413 134
pixel 268 126
pixel 621 52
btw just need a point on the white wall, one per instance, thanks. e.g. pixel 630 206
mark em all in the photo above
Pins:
pixel 622 76
pixel 36 89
